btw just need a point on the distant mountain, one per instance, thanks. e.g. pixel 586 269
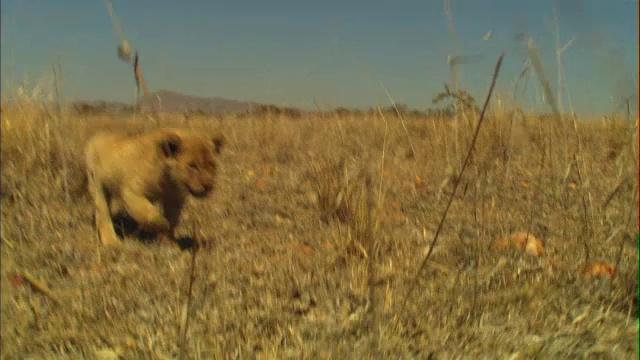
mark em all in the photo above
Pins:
pixel 173 102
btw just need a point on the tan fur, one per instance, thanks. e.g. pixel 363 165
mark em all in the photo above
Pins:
pixel 148 177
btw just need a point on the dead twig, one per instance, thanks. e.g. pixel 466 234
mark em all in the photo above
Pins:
pixel 40 287
pixel 455 185
pixel 371 263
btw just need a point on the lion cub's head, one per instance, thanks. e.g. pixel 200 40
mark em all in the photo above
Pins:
pixel 192 159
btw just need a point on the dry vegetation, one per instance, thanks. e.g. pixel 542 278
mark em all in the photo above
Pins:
pixel 296 263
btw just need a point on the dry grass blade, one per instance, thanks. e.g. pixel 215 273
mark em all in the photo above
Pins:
pixel 628 225
pixel 586 229
pixel 187 308
pixel 414 281
pixel 536 192
pixel 537 65
pixel 615 191
pixel 413 150
pixel 114 19
pixel 384 151
pixel 371 259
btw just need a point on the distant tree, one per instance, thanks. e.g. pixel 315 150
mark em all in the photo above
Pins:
pixel 391 110
pixel 85 108
pixel 265 110
pixel 446 113
pixel 125 108
pixel 342 111
pixel 292 113
pixel 401 108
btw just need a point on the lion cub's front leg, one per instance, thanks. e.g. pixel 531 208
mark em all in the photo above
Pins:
pixel 103 220
pixel 147 215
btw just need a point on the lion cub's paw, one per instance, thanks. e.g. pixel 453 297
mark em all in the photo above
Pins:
pixel 165 239
pixel 155 224
pixel 109 239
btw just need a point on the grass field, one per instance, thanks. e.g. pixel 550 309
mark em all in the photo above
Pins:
pixel 301 259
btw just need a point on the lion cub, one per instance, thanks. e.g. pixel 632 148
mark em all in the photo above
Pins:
pixel 147 177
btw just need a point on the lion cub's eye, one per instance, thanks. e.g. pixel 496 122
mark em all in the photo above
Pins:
pixel 193 167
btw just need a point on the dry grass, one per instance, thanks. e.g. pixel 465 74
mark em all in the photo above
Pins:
pixel 289 244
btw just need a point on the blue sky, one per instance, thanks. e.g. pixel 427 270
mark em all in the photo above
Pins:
pixel 336 53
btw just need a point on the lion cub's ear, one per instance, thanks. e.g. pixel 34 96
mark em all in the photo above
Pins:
pixel 218 143
pixel 170 144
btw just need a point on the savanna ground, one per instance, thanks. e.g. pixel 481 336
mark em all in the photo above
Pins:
pixel 291 266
